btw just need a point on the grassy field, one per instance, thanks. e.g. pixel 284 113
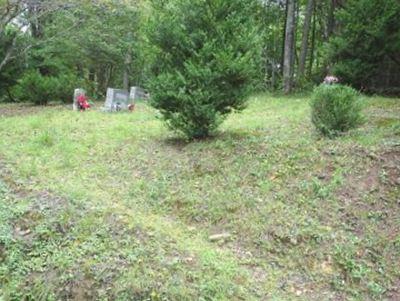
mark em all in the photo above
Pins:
pixel 98 206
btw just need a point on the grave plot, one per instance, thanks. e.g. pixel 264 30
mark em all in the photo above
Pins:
pixel 138 93
pixel 78 92
pixel 117 100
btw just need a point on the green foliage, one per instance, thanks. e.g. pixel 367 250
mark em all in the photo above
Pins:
pixel 100 45
pixel 367 50
pixel 11 71
pixel 38 89
pixel 335 109
pixel 204 63
pixel 79 42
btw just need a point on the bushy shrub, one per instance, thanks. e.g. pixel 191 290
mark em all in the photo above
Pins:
pixel 204 63
pixel 335 109
pixel 38 89
pixel 33 87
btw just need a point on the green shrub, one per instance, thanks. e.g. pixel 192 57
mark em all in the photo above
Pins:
pixel 204 62
pixel 38 89
pixel 335 109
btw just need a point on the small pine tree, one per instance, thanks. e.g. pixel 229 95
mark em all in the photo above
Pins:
pixel 204 61
pixel 335 109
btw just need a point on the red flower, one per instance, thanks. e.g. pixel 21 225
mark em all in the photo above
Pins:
pixel 83 102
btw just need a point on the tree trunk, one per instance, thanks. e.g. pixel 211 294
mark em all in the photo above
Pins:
pixel 8 11
pixel 283 40
pixel 10 97
pixel 288 58
pixel 310 67
pixel 108 76
pixel 331 19
pixel 128 61
pixel 8 56
pixel 306 33
pixel 331 28
pixel 101 86
pixel 36 19
pixel 92 75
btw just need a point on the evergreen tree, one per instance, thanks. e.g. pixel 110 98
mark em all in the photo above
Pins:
pixel 204 61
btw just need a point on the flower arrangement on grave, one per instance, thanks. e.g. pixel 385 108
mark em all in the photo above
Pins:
pixel 131 107
pixel 83 103
pixel 330 80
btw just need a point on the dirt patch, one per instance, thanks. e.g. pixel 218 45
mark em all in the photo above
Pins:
pixel 78 288
pixel 394 293
pixel 380 171
pixel 368 192
pixel 358 185
pixel 93 284
pixel 370 199
pixel 392 167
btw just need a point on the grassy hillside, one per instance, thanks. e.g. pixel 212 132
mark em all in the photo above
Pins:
pixel 98 206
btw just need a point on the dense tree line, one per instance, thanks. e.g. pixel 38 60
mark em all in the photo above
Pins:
pixel 49 47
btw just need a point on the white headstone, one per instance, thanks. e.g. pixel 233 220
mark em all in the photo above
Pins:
pixel 77 93
pixel 137 93
pixel 116 100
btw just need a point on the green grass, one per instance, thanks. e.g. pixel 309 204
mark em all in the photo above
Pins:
pixel 115 207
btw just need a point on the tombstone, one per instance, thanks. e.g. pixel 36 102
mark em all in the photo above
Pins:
pixel 138 93
pixel 117 100
pixel 77 93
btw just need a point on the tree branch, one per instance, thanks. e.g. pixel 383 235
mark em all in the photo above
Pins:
pixel 9 52
pixel 11 12
pixel 11 49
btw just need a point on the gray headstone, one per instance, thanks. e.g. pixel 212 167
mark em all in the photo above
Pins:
pixel 116 100
pixel 77 92
pixel 138 93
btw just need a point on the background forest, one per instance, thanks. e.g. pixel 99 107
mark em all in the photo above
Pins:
pixel 48 48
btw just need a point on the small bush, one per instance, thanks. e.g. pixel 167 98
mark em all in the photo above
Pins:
pixel 38 89
pixel 335 109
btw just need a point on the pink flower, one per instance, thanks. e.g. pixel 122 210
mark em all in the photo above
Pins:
pixel 330 79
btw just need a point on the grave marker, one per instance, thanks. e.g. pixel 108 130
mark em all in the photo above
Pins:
pixel 138 93
pixel 77 92
pixel 117 100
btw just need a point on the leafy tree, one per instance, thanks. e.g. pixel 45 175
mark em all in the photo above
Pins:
pixel 71 43
pixel 204 61
pixel 9 10
pixel 105 42
pixel 367 49
pixel 10 73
